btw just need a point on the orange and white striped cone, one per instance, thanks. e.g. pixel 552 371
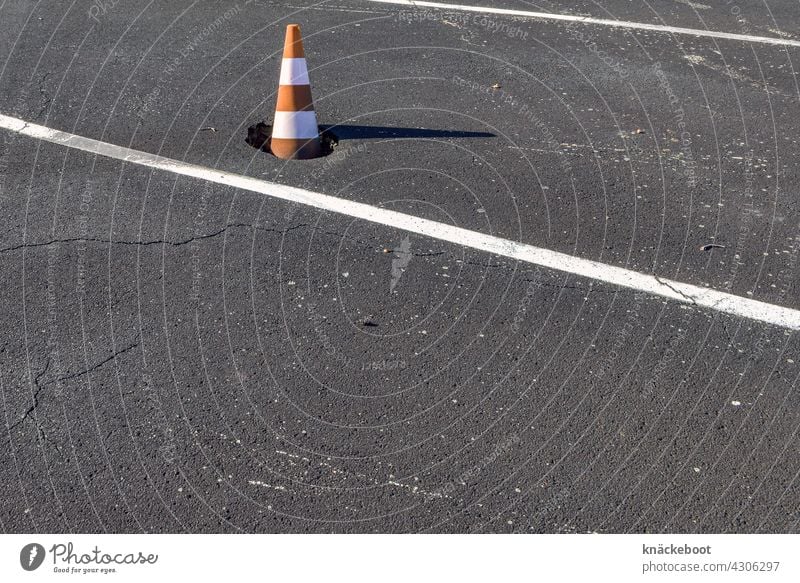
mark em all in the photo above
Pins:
pixel 295 134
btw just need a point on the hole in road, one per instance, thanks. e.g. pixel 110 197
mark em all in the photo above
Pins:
pixel 259 135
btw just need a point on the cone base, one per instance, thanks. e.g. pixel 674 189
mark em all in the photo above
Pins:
pixel 294 149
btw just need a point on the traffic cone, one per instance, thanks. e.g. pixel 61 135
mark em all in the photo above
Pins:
pixel 295 134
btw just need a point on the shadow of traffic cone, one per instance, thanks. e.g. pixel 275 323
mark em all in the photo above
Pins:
pixel 295 134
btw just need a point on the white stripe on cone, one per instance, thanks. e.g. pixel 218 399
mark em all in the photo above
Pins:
pixel 295 125
pixel 294 72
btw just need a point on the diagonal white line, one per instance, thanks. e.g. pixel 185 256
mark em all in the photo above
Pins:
pixel 674 290
pixel 601 21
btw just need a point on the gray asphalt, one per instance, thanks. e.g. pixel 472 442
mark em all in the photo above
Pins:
pixel 180 356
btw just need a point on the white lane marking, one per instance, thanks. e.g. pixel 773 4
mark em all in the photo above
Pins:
pixel 294 72
pixel 673 290
pixel 601 21
pixel 301 125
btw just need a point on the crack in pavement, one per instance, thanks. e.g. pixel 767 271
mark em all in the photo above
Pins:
pixel 197 238
pixel 30 412
pixel 221 231
pixel 38 389
pixel 690 299
pixel 146 243
pixel 95 366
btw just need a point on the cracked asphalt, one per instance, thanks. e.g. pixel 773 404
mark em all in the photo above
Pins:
pixel 180 356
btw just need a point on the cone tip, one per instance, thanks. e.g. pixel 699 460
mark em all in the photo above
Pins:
pixel 293 45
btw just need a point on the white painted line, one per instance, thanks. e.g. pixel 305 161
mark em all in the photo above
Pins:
pixel 673 290
pixel 601 21
pixel 295 125
pixel 294 72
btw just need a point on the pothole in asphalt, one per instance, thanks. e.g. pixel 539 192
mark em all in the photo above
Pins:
pixel 259 136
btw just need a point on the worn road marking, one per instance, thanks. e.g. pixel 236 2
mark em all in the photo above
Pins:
pixel 600 21
pixel 673 290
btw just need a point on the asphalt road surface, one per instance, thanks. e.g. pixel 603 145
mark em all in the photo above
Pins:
pixel 183 356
